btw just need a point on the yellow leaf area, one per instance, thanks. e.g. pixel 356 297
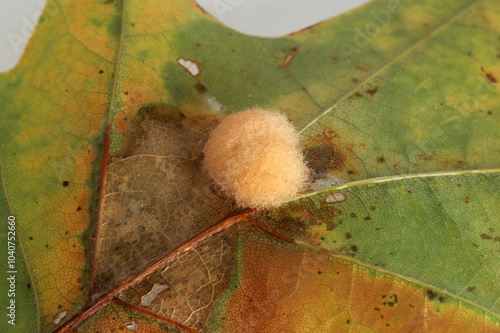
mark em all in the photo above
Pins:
pixel 53 108
pixel 288 288
pixel 144 46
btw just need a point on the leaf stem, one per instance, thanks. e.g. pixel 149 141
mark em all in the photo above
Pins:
pixel 387 179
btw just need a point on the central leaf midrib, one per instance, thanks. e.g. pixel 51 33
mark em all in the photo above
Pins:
pixel 111 108
pixel 393 178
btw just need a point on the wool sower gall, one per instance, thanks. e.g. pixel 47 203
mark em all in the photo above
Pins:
pixel 255 158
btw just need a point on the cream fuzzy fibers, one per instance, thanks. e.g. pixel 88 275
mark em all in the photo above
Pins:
pixel 254 157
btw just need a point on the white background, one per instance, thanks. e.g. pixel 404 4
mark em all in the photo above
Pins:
pixel 255 17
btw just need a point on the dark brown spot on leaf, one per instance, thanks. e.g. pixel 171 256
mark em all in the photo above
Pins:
pixel 491 78
pixel 431 294
pixel 65 183
pixel 372 91
pixel 471 289
pixel 348 235
pixel 200 88
pixel 324 159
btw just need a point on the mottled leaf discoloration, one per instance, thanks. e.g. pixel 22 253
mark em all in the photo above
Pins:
pixel 397 107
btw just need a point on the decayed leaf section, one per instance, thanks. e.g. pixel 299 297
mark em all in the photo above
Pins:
pixel 246 280
pixel 156 195
pixel 118 318
pixel 186 288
